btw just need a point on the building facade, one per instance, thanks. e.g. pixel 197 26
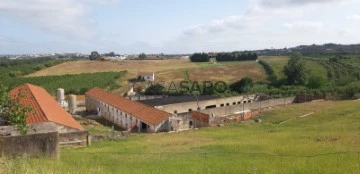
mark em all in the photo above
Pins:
pixel 147 76
pixel 129 115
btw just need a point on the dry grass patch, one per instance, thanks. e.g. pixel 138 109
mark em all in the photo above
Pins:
pixel 132 66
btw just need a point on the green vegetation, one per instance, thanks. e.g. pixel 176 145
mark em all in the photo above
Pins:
pixel 242 86
pixel 20 67
pixel 200 57
pixel 94 56
pixel 12 111
pixel 296 71
pixel 327 141
pixel 74 84
pixel 236 56
pixel 272 77
pixel 142 56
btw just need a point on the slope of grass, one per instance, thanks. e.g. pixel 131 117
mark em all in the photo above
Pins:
pixel 238 148
pixel 277 63
pixel 316 69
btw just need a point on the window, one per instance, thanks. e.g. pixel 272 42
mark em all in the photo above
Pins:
pixel 221 105
pixel 125 115
pixel 190 110
pixel 227 104
pixel 239 102
pixel 175 112
pixel 234 103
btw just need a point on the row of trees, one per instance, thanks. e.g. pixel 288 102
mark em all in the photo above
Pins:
pixel 200 57
pixel 236 56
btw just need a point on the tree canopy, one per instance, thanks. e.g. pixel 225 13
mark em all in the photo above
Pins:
pixel 94 56
pixel 142 56
pixel 296 71
pixel 242 86
pixel 200 57
pixel 236 56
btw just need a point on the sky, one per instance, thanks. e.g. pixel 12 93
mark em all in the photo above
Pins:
pixel 173 26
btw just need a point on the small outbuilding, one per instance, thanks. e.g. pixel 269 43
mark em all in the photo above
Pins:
pixel 147 76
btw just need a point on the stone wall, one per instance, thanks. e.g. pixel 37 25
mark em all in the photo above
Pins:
pixel 42 144
pixel 79 138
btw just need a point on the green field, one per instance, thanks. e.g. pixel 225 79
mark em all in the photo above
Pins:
pixel 277 63
pixel 327 141
pixel 74 84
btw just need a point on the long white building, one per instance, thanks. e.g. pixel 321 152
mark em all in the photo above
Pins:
pixel 126 113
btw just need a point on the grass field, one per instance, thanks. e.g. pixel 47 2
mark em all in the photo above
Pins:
pixel 277 63
pixel 132 66
pixel 73 84
pixel 224 71
pixel 316 69
pixel 166 70
pixel 328 141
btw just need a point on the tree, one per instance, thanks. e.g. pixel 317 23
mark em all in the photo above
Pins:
pixel 242 86
pixel 94 56
pixel 296 71
pixel 12 111
pixel 316 82
pixel 200 57
pixel 142 56
pixel 155 89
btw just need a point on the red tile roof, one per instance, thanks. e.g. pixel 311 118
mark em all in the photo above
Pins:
pixel 44 106
pixel 145 113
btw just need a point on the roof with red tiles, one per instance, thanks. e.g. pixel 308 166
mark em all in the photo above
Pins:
pixel 44 106
pixel 145 113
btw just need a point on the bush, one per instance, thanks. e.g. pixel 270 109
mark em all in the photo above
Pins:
pixel 242 86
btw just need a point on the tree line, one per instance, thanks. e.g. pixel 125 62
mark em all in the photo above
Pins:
pixel 236 56
pixel 199 57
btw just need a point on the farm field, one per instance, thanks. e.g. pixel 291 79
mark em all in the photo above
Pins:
pixel 326 141
pixel 132 66
pixel 73 84
pixel 222 71
pixel 166 70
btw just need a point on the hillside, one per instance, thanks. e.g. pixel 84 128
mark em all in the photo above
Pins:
pixel 320 137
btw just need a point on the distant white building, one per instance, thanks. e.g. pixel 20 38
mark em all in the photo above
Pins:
pixel 148 76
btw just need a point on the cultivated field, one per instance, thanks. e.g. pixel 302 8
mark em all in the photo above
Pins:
pixel 166 70
pixel 317 137
pixel 132 66
pixel 277 63
pixel 224 71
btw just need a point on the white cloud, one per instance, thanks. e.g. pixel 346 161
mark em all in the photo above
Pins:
pixel 355 17
pixel 65 17
pixel 263 27
pixel 285 3
pixel 304 26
